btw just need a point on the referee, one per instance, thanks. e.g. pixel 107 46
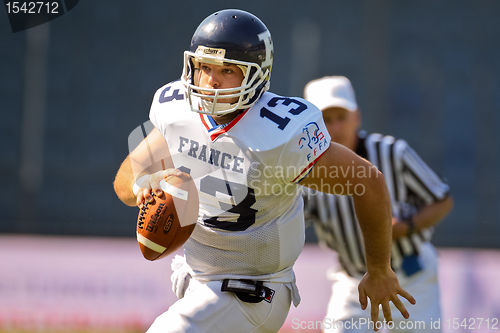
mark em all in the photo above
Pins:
pixel 420 199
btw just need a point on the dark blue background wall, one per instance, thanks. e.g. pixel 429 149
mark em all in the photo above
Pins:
pixel 427 71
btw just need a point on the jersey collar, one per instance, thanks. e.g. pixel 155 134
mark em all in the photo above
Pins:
pixel 213 129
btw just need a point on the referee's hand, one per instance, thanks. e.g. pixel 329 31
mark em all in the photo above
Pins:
pixel 381 287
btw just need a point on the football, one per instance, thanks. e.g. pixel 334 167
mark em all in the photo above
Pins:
pixel 165 223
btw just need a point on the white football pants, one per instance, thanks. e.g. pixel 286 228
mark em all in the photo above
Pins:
pixel 205 308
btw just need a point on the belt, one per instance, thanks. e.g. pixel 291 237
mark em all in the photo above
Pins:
pixel 248 291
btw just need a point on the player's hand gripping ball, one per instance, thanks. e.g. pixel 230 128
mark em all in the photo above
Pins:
pixel 165 223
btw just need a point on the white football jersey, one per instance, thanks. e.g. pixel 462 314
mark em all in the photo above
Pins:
pixel 250 220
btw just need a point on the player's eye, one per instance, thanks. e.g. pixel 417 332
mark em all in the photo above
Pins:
pixel 228 71
pixel 205 68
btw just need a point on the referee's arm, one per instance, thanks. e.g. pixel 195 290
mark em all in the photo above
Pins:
pixel 421 180
pixel 426 217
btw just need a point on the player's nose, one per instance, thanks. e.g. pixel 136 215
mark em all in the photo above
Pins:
pixel 213 81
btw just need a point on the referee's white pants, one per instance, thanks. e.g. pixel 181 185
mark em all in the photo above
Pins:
pixel 344 312
pixel 205 308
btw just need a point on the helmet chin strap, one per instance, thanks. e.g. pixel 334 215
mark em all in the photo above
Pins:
pixel 208 106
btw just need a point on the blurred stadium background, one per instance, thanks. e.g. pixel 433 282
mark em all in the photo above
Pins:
pixel 73 89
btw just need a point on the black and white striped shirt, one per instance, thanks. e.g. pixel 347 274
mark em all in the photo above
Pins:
pixel 412 185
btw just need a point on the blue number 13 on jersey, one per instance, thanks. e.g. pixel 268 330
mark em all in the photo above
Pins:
pixel 282 121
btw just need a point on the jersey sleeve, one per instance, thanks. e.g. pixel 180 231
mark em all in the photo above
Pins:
pixel 419 177
pixel 167 101
pixel 308 142
pixel 154 111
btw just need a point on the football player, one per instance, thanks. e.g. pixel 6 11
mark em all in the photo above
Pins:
pixel 248 150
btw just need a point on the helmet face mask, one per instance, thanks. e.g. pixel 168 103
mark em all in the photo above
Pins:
pixel 209 98
pixel 228 37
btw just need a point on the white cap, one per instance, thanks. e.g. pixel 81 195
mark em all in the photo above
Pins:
pixel 331 91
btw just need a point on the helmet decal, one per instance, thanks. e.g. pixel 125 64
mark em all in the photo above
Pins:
pixel 203 50
pixel 268 42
